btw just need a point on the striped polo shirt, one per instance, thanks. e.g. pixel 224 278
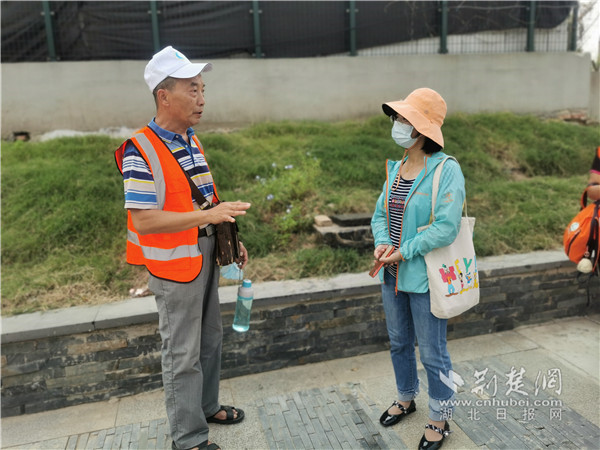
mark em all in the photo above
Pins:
pixel 396 203
pixel 140 192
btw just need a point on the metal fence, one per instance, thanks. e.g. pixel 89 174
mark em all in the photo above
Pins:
pixel 101 30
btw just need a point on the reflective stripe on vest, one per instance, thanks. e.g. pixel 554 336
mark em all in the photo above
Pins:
pixel 164 254
pixel 157 172
pixel 172 256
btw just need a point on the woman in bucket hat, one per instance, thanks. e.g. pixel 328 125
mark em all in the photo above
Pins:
pixel 403 207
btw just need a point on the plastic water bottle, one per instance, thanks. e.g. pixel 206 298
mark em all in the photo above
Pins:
pixel 241 321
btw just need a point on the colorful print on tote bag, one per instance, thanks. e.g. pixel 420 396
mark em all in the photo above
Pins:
pixel 463 278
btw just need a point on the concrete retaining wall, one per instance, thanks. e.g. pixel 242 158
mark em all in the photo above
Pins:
pixel 88 96
pixel 85 354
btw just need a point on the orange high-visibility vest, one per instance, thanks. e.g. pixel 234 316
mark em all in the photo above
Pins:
pixel 172 256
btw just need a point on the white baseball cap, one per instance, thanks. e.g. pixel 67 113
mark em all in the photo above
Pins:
pixel 171 63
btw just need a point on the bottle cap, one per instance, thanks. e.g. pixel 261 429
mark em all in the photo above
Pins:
pixel 246 283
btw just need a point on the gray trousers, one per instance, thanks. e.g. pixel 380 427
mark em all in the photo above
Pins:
pixel 192 333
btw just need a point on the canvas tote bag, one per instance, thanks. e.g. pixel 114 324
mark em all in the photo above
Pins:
pixel 452 270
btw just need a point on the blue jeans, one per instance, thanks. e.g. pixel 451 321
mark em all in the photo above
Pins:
pixel 408 316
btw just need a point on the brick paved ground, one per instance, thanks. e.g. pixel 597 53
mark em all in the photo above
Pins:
pixel 344 417
pixel 335 417
pixel 147 435
pixel 548 425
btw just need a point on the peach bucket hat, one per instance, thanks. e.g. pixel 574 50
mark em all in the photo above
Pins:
pixel 425 109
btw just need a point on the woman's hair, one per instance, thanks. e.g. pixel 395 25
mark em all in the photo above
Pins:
pixel 430 147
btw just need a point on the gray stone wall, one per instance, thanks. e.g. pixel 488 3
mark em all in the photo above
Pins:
pixel 61 358
pixel 90 95
pixel 54 372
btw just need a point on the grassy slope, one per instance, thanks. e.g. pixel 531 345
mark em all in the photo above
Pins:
pixel 63 223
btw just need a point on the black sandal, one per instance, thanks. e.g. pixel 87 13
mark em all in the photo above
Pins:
pixel 434 445
pixel 230 418
pixel 387 419
pixel 204 446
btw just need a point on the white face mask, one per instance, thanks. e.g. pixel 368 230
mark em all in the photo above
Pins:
pixel 401 134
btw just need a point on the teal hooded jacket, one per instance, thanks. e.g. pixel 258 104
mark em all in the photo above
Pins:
pixel 412 271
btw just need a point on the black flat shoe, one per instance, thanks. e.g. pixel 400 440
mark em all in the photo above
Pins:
pixel 387 419
pixel 434 445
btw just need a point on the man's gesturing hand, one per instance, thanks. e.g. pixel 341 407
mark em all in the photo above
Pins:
pixel 227 211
